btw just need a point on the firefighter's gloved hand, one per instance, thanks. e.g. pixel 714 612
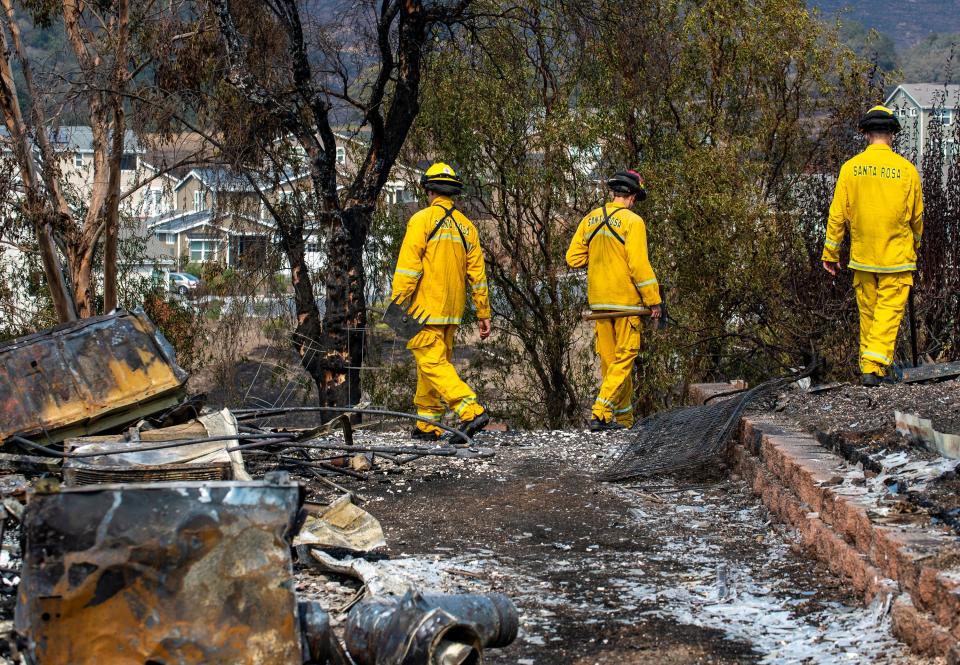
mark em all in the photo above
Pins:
pixel 484 328
pixel 656 312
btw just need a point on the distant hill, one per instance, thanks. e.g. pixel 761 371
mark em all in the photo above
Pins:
pixel 906 21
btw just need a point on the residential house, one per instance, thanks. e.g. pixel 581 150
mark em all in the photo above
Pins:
pixel 217 216
pixel 220 215
pixel 917 105
pixel 156 194
pixel 74 144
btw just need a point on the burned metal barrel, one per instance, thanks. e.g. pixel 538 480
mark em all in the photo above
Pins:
pixel 163 573
pixel 435 629
pixel 493 615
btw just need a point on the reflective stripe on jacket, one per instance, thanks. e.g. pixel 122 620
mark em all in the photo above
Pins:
pixel 619 275
pixel 878 198
pixel 436 263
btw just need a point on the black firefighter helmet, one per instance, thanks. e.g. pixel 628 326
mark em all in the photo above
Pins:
pixel 880 119
pixel 627 182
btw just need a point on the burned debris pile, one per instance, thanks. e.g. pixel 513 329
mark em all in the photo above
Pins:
pixel 144 538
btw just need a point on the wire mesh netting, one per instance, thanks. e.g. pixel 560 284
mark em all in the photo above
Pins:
pixel 686 437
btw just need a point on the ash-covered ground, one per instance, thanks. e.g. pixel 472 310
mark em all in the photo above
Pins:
pixel 859 424
pixel 851 408
pixel 671 570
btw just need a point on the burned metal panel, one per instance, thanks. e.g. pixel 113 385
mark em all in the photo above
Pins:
pixel 161 573
pixel 342 525
pixel 931 372
pixel 77 378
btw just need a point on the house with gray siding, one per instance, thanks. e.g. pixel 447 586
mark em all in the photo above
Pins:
pixel 918 106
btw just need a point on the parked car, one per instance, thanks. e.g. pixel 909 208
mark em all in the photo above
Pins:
pixel 183 282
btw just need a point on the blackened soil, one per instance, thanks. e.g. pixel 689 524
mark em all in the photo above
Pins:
pixel 612 573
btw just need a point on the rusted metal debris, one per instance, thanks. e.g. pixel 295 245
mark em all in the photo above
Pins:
pixel 188 572
pixel 340 525
pixel 244 415
pixel 205 460
pixel 190 562
pixel 161 573
pixel 86 377
pixel 437 628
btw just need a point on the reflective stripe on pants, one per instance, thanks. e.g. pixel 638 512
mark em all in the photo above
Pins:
pixel 437 379
pixel 881 299
pixel 617 344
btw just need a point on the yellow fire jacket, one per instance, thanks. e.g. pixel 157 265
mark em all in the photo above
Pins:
pixel 612 242
pixel 439 254
pixel 878 197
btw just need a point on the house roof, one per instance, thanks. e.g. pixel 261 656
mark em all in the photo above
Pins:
pixel 927 95
pixel 79 138
pixel 222 179
pixel 174 223
pixel 159 171
pixel 219 179
pixel 184 221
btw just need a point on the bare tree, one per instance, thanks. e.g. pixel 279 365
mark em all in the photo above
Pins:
pixel 301 90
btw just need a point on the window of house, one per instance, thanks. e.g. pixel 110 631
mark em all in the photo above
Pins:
pixel 950 150
pixel 77 159
pixel 203 249
pixel 913 113
pixel 165 238
pixel 156 200
pixel 341 155
pixel 199 200
pixel 313 247
pixel 128 163
pixel 943 116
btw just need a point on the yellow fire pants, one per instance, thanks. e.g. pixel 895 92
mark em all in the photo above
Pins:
pixel 881 299
pixel 437 379
pixel 617 344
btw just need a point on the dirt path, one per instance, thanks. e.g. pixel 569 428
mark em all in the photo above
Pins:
pixel 670 571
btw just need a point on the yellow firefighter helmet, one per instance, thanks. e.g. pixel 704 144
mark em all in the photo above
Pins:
pixel 442 179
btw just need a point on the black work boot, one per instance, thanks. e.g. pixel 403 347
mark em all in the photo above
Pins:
pixel 597 425
pixel 870 380
pixel 471 427
pixel 423 435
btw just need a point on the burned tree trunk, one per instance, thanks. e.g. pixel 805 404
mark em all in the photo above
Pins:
pixel 301 105
pixel 345 318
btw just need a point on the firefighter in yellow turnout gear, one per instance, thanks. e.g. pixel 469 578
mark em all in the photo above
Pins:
pixel 612 242
pixel 878 198
pixel 439 256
